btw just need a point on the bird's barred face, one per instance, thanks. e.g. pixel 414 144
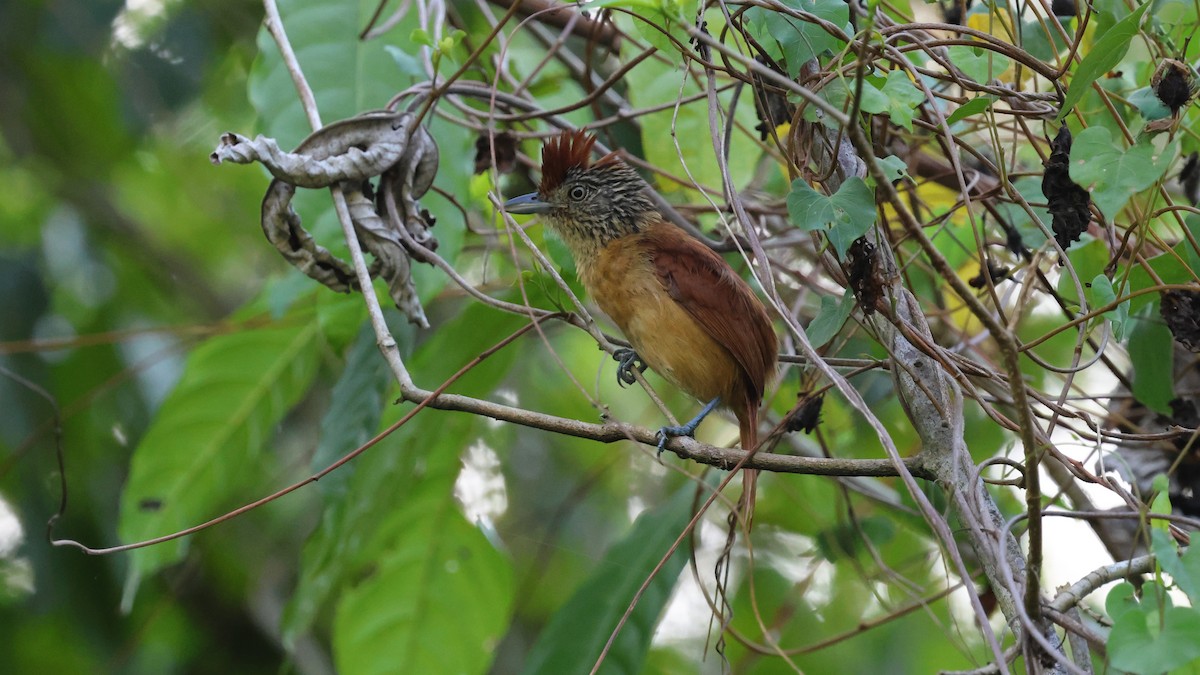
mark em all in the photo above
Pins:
pixel 601 202
pixel 587 203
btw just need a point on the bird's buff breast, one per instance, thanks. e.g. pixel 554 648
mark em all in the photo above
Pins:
pixel 622 281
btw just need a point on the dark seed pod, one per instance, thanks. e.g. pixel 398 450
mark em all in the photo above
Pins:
pixel 506 152
pixel 1063 8
pixel 1067 202
pixel 865 278
pixel 807 413
pixel 995 272
pixel 1181 311
pixel 770 103
pixel 1174 82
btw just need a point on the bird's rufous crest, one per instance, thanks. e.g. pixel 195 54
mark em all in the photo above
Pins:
pixel 569 150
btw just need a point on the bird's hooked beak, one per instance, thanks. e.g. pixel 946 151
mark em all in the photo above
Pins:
pixel 527 204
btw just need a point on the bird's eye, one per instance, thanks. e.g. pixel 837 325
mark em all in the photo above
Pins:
pixel 577 193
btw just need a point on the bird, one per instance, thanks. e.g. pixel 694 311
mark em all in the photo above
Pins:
pixel 687 314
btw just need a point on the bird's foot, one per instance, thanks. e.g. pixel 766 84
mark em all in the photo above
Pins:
pixel 627 361
pixel 668 432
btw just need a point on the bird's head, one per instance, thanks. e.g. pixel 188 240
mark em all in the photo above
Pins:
pixel 587 203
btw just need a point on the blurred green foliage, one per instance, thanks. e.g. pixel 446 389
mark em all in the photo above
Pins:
pixel 190 371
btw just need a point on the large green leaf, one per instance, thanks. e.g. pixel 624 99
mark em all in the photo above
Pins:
pixel 845 215
pixel 659 22
pixel 1178 266
pixel 1150 350
pixel 1183 567
pixel 871 100
pixel 830 318
pixel 438 602
pixel 972 107
pixel 903 98
pixel 365 492
pixel 1088 257
pixel 423 590
pixel 576 634
pixel 1104 55
pixel 1151 636
pixel 368 495
pixel 207 439
pixel 1113 175
pixel 355 408
pixel 347 75
pixel 801 41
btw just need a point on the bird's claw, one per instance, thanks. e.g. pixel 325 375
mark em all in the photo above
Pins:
pixel 627 361
pixel 667 433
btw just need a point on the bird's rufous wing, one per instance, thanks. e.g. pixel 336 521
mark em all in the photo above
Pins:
pixel 718 299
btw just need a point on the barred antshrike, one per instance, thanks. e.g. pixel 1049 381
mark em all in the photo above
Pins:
pixel 688 315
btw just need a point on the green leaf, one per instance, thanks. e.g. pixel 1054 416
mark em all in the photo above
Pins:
pixel 347 75
pixel 1171 267
pixel 407 63
pixel 1173 14
pixel 871 99
pixel 893 167
pixel 1161 504
pixel 436 597
pixel 829 318
pixel 656 19
pixel 425 451
pixel 1150 350
pixel 439 359
pixel 1105 54
pixel 1189 566
pixel 1185 569
pixel 1147 642
pixel 1042 39
pixel 1148 104
pixel 903 98
pixel 981 65
pixel 800 40
pixel 396 554
pixel 1113 175
pixel 1121 599
pixel 1088 257
pixel 847 214
pixel 357 525
pixel 420 36
pixel 341 318
pixel 355 408
pixel 575 635
pixel 453 39
pixel 206 441
pixel 1185 249
pixel 1100 293
pixel 972 107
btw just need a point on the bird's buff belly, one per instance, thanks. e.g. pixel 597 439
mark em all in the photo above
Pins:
pixel 663 334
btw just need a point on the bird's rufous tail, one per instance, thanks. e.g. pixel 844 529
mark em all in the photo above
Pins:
pixel 748 429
